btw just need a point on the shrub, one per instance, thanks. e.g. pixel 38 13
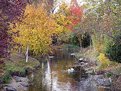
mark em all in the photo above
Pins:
pixel 74 40
pixel 114 52
pixel 113 49
pixel 105 62
pixel 98 43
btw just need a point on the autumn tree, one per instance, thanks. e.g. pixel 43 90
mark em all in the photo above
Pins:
pixel 10 11
pixel 35 30
pixel 68 17
pixel 62 20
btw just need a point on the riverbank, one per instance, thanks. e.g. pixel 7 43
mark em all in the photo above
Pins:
pixel 15 72
pixel 109 71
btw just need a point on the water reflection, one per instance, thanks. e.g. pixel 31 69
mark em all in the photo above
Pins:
pixel 56 78
pixel 53 76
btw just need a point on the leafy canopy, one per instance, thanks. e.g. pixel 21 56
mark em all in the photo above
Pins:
pixel 35 30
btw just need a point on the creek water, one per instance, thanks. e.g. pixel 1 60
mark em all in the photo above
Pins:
pixel 53 76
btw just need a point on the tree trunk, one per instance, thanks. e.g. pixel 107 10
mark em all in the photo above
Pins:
pixel 27 52
pixel 20 50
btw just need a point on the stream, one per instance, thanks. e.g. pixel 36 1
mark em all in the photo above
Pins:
pixel 54 76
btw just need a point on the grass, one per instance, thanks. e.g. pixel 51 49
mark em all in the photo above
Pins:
pixel 17 64
pixel 6 77
pixel 87 53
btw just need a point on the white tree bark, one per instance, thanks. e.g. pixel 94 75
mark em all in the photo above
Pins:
pixel 27 52
pixel 20 50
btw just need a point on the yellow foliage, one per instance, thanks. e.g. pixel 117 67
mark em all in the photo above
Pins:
pixel 35 30
pixel 61 18
pixel 99 47
pixel 105 62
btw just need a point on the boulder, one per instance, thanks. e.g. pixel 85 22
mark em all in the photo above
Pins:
pixel 24 84
pixel 16 86
pixel 117 83
pixel 101 81
pixel 9 88
pixel 104 82
pixel 81 59
pixel 72 54
pixel 71 70
pixel 21 79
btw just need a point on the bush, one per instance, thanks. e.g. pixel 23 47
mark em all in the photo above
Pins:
pixel 105 62
pixel 74 40
pixel 114 52
pixel 84 40
pixel 113 49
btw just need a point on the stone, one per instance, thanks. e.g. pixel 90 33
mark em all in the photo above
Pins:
pixel 119 80
pixel 117 83
pixel 103 81
pixel 24 84
pixel 82 63
pixel 73 54
pixel 21 79
pixel 71 70
pixel 81 59
pixel 9 88
pixel 96 77
pixel 16 86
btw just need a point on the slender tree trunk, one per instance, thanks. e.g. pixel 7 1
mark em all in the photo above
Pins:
pixel 20 50
pixel 27 52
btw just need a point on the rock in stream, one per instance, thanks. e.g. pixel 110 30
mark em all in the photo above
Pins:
pixel 17 84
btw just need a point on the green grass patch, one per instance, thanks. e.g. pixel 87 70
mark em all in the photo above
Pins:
pixel 6 77
pixel 18 65
pixel 13 67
